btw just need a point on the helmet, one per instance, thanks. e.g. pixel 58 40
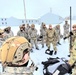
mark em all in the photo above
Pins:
pixel 13 48
pixel 32 26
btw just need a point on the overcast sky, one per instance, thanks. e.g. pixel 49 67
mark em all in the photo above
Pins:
pixel 36 8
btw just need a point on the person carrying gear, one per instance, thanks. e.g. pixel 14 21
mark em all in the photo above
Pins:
pixel 57 29
pixel 66 29
pixel 43 34
pixel 22 32
pixel 15 57
pixel 51 38
pixel 32 33
pixel 8 33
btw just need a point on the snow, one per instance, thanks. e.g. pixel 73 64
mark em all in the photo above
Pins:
pixel 39 55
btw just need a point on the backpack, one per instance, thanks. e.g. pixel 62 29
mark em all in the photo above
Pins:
pixel 55 66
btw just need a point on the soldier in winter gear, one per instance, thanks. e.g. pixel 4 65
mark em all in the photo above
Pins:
pixel 51 38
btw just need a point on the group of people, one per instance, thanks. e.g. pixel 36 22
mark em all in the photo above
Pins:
pixel 50 35
pixel 47 35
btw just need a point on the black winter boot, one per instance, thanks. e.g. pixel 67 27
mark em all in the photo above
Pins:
pixel 51 52
pixel 42 46
pixel 37 48
pixel 59 43
pixel 55 52
pixel 31 50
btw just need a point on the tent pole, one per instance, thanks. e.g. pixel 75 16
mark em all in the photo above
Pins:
pixel 70 26
pixel 24 10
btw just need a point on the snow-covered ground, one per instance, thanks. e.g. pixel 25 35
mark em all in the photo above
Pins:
pixel 39 55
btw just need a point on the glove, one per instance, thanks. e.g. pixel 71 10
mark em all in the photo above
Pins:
pixel 65 38
pixel 41 36
pixel 71 33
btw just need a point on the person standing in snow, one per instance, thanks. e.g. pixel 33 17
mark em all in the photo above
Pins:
pixel 57 29
pixel 66 28
pixel 32 33
pixel 51 38
pixel 43 34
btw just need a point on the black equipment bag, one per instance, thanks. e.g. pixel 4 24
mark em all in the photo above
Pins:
pixel 62 66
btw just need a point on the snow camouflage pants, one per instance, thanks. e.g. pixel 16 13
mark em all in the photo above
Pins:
pixel 34 41
pixel 18 71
